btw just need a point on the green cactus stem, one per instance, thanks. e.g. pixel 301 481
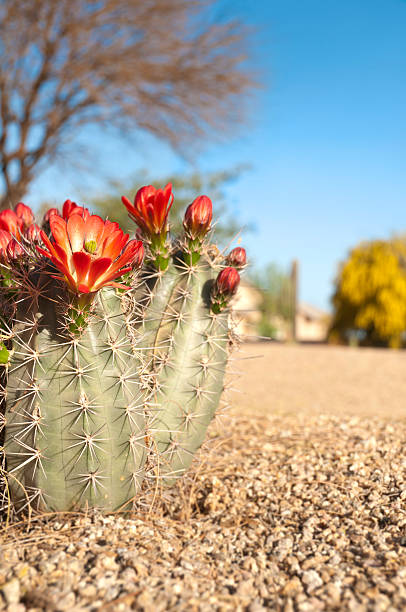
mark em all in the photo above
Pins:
pixel 75 430
pixel 187 357
pixel 193 251
pixel 4 354
pixel 159 252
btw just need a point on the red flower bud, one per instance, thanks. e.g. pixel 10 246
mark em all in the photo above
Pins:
pixel 150 209
pixel 71 208
pixel 198 217
pixel 33 234
pixel 49 213
pixel 25 214
pixel 10 222
pixel 138 256
pixel 227 281
pixel 5 238
pixel 225 286
pixel 237 257
pixel 14 250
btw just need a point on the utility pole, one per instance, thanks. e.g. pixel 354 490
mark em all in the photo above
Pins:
pixel 294 291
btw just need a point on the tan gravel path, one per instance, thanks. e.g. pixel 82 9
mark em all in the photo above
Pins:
pixel 300 505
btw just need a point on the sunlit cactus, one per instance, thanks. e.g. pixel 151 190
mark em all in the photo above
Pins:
pixel 185 341
pixel 185 350
pixel 75 424
pixel 74 420
pixel 113 368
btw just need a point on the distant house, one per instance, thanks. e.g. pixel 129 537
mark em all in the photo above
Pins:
pixel 247 309
pixel 311 323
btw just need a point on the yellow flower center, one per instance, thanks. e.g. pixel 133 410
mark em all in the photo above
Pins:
pixel 91 246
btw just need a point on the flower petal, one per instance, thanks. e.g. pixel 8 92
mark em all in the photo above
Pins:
pixel 104 281
pixel 97 270
pixel 129 206
pixel 59 233
pixel 76 231
pixel 129 254
pixel 113 244
pixel 81 262
pixel 48 243
pixel 94 228
pixel 61 254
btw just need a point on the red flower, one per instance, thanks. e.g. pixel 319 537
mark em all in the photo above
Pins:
pixel 71 208
pixel 150 209
pixel 5 238
pixel 10 222
pixel 49 213
pixel 227 282
pixel 225 286
pixel 89 252
pixel 33 233
pixel 14 250
pixel 25 214
pixel 198 217
pixel 237 257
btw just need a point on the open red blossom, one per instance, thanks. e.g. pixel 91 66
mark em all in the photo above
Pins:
pixel 90 253
pixel 10 222
pixel 71 208
pixel 5 238
pixel 25 214
pixel 198 217
pixel 150 209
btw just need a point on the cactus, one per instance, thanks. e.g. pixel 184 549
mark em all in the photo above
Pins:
pixel 75 422
pixel 111 378
pixel 186 362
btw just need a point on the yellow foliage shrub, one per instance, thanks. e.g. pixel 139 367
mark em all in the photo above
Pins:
pixel 370 296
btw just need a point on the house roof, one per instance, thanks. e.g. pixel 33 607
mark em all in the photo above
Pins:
pixel 313 312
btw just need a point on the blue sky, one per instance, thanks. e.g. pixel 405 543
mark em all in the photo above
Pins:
pixel 325 136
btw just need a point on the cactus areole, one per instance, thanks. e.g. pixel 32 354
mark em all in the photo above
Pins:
pixel 112 363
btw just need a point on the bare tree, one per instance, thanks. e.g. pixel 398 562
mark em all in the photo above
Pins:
pixel 158 65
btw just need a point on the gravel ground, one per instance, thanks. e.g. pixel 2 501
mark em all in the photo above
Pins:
pixel 289 511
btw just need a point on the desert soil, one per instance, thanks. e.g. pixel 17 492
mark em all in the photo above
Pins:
pixel 299 504
pixel 318 379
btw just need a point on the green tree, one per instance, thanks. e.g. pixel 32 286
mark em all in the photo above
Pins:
pixel 186 188
pixel 370 296
pixel 276 286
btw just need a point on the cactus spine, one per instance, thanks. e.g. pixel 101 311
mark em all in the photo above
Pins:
pixel 75 420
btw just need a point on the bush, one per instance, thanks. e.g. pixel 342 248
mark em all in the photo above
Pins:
pixel 370 296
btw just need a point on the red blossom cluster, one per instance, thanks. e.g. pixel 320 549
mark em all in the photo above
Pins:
pixel 16 226
pixel 91 253
pixel 88 252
